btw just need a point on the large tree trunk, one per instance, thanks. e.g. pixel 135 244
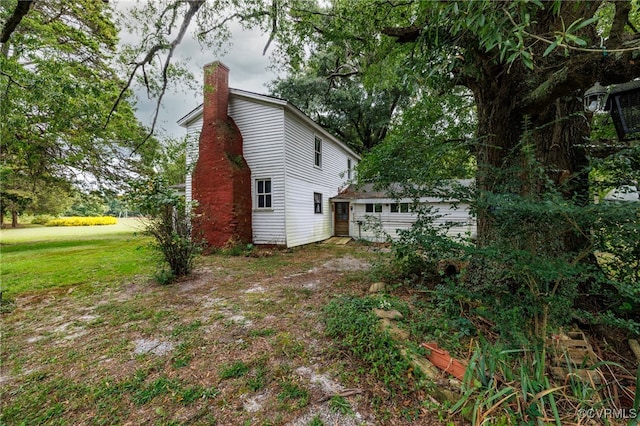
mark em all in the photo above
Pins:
pixel 555 134
pixel 14 218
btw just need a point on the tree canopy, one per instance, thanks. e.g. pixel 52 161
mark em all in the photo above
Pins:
pixel 58 85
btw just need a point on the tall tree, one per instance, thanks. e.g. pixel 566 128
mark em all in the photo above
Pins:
pixel 334 93
pixel 57 89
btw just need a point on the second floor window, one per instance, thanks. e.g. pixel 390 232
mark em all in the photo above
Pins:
pixel 349 168
pixel 263 193
pixel 317 158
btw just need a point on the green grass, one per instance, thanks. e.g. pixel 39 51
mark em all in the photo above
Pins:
pixel 34 233
pixel 234 370
pixel 35 259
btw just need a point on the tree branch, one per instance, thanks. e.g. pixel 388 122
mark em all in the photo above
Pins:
pixel 403 34
pixel 194 6
pixel 193 9
pixel 240 16
pixel 22 8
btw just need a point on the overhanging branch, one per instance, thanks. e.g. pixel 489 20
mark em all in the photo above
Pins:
pixel 194 6
pixel 403 34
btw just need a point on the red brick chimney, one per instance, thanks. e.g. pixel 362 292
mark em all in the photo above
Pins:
pixel 221 178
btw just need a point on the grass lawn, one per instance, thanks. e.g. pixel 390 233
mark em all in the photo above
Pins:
pixel 38 258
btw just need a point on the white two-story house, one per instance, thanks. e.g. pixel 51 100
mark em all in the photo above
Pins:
pixel 261 170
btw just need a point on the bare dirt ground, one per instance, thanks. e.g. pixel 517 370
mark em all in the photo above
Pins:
pixel 241 342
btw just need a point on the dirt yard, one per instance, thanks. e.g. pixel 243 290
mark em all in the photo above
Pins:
pixel 239 343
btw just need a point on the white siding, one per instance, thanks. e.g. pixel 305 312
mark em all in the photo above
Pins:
pixel 303 179
pixel 193 138
pixel 262 128
pixel 388 224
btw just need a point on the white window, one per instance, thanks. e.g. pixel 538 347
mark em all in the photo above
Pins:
pixel 400 208
pixel 263 193
pixel 371 208
pixel 317 203
pixel 317 159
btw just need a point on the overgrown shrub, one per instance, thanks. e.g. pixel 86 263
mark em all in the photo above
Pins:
pixel 82 221
pixel 419 251
pixel 550 259
pixel 169 223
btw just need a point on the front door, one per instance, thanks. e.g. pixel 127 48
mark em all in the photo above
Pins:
pixel 341 224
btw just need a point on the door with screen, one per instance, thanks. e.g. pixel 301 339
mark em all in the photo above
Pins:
pixel 341 225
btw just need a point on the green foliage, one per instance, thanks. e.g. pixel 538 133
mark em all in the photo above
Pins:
pixel 504 386
pixel 169 224
pixel 339 100
pixel 87 204
pixel 430 141
pixel 541 256
pixel 316 421
pixel 259 376
pixel 238 249
pixel 354 326
pixel 418 252
pixel 57 90
pixel 41 219
pixel 164 276
pixel 138 388
pixel 550 259
pixel 339 404
pixel 172 161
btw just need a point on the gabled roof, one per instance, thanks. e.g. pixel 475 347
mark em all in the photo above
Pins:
pixel 196 113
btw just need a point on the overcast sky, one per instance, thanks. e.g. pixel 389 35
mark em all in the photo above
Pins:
pixel 248 70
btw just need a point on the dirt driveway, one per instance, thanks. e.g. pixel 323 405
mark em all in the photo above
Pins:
pixel 240 342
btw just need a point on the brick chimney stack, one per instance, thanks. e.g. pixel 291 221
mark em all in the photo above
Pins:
pixel 221 178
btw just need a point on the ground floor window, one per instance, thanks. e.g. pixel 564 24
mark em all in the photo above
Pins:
pixel 400 208
pixel 263 193
pixel 373 208
pixel 317 203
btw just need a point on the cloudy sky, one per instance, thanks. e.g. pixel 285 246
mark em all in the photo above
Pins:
pixel 249 70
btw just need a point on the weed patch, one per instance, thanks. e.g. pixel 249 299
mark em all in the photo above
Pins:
pixel 351 322
pixel 293 395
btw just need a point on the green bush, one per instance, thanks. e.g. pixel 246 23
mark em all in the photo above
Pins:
pixel 41 219
pixel 170 226
pixel 550 258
